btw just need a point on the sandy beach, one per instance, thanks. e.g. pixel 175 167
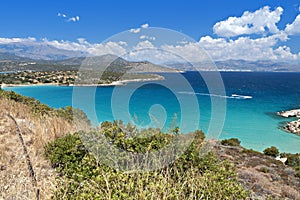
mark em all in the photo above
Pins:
pixel 114 83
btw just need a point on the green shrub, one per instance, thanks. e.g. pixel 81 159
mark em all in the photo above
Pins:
pixel 271 151
pixel 264 170
pixel 39 108
pixel 251 151
pixel 231 142
pixel 293 160
pixel 189 177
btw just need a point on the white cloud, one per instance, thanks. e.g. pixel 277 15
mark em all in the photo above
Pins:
pixel 146 51
pixel 146 37
pixel 145 26
pixel 81 45
pixel 261 21
pixel 144 45
pixel 293 28
pixel 122 43
pixel 246 48
pixel 74 19
pixel 106 48
pixel 93 49
pixel 61 15
pixel 69 19
pixel 284 53
pixel 137 30
pixel 82 41
pixel 14 40
pixel 191 51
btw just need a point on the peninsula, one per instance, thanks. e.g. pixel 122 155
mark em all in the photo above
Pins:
pixel 103 70
pixel 293 126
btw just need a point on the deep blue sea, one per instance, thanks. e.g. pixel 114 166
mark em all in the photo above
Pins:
pixel 252 100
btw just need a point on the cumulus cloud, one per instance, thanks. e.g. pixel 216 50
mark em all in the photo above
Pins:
pixel 96 49
pixel 262 21
pixel 246 48
pixel 137 30
pixel 14 40
pixel 122 43
pixel 284 53
pixel 146 37
pixel 146 51
pixel 107 48
pixel 61 15
pixel 81 45
pixel 145 26
pixel 191 51
pixel 69 19
pixel 144 45
pixel 293 28
pixel 74 19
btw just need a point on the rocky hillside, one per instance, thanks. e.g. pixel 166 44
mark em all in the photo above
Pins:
pixel 39 124
pixel 264 176
pixel 10 62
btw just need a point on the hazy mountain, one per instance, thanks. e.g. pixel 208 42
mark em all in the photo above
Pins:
pixel 38 51
pixel 238 65
pixel 265 65
pixel 10 62
pixel 114 63
pixel 12 57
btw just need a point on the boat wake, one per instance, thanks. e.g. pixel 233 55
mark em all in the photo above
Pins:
pixel 233 96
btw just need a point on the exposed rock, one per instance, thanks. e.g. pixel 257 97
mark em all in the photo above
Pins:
pixel 290 113
pixel 283 160
pixel 264 176
pixel 294 126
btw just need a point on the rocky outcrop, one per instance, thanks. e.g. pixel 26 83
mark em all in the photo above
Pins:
pixel 294 126
pixel 290 113
pixel 264 176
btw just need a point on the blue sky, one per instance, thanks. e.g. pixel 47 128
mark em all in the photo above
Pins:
pixel 97 20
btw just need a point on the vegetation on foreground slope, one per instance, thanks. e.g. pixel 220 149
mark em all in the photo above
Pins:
pixel 190 177
pixel 39 124
pixel 228 172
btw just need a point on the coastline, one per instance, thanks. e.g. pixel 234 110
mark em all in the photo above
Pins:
pixel 114 83
pixel 290 113
pixel 293 126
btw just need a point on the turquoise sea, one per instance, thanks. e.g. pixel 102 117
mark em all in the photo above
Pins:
pixel 253 98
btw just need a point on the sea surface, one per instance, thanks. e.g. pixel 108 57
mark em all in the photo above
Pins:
pixel 252 100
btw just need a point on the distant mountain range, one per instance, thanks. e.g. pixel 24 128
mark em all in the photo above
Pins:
pixel 238 65
pixel 46 56
pixel 264 65
pixel 38 51
pixel 112 63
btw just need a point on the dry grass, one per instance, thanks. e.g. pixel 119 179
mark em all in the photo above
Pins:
pixel 15 182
